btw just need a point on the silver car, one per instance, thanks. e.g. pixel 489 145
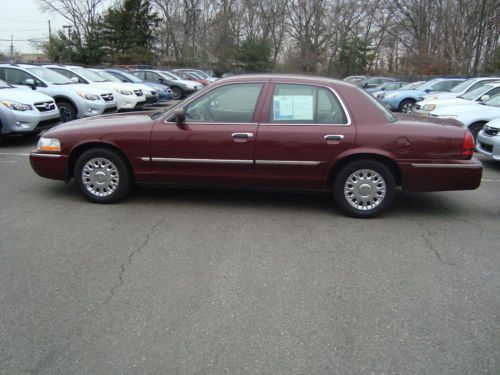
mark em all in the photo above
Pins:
pixel 25 112
pixel 488 140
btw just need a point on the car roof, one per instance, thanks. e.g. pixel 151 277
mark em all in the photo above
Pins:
pixel 293 78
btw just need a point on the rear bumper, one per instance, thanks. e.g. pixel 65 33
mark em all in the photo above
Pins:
pixel 53 166
pixel 441 175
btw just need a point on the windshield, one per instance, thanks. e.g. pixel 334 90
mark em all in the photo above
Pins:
pixel 412 85
pixel 494 101
pixel 108 76
pixel 477 93
pixel 172 76
pixel 462 86
pixel 129 77
pixel 201 73
pixel 89 75
pixel 4 85
pixel 428 84
pixel 387 114
pixel 50 76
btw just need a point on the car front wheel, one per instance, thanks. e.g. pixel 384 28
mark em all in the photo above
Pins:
pixel 177 93
pixel 102 176
pixel 406 106
pixel 364 188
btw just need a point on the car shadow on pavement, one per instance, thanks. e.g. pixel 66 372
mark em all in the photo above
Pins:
pixel 18 141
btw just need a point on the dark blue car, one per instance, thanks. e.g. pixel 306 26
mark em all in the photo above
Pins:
pixel 163 91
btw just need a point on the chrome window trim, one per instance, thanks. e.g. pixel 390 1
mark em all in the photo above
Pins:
pixel 431 165
pixel 37 154
pixel 344 107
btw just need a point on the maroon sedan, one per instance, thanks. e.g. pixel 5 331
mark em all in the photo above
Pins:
pixel 271 131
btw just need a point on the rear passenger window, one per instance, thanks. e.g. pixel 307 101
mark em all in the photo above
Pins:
pixel 305 104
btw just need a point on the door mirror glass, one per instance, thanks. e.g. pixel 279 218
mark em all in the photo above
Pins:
pixel 75 80
pixel 485 98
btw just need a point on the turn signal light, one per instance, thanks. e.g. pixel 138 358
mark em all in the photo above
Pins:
pixel 468 149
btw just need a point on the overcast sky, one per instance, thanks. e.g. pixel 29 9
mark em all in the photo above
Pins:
pixel 24 19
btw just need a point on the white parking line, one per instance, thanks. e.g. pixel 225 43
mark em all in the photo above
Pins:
pixel 12 154
pixel 486 180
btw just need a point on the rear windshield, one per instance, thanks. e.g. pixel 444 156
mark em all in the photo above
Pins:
pixel 380 106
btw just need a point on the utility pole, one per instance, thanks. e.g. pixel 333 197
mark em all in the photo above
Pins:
pixel 11 46
pixel 50 37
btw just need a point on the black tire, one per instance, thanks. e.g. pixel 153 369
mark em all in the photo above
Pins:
pixel 108 182
pixel 1 135
pixel 354 175
pixel 475 129
pixel 177 93
pixel 66 110
pixel 406 105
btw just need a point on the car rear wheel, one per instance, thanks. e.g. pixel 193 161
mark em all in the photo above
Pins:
pixel 102 176
pixel 67 111
pixel 177 93
pixel 406 106
pixel 364 188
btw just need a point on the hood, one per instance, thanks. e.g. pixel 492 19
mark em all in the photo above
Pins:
pixel 443 95
pixel 91 89
pixel 402 92
pixel 442 102
pixel 106 124
pixel 455 110
pixel 24 96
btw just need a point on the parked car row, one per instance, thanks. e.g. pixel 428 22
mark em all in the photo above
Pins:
pixel 35 97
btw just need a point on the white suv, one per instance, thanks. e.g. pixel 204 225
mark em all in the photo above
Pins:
pixel 74 100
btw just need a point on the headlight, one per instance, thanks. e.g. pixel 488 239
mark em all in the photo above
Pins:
pixel 49 144
pixel 393 95
pixel 123 92
pixel 15 106
pixel 159 88
pixel 429 107
pixel 86 96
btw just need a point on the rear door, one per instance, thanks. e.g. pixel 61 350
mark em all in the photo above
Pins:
pixel 215 145
pixel 302 131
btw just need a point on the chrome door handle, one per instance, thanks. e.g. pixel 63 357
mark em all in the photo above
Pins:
pixel 242 135
pixel 333 137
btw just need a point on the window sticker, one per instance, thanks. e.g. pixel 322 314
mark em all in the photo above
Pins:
pixel 293 107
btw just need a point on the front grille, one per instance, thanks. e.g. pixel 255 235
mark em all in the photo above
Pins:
pixel 486 147
pixel 45 106
pixel 110 109
pixel 138 92
pixel 380 96
pixel 45 124
pixel 107 97
pixel 490 131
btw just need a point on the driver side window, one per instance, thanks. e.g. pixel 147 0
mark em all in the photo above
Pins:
pixel 227 104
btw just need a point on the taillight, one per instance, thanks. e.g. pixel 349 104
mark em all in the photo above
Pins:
pixel 468 149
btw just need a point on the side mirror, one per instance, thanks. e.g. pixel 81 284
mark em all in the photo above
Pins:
pixel 161 80
pixel 30 82
pixel 484 98
pixel 365 84
pixel 428 90
pixel 382 88
pixel 180 116
pixel 75 80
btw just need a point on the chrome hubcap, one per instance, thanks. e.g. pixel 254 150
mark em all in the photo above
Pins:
pixel 365 189
pixel 100 177
pixel 407 108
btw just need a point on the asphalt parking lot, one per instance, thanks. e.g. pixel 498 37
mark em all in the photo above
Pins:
pixel 176 281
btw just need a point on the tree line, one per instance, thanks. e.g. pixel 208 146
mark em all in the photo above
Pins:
pixel 334 37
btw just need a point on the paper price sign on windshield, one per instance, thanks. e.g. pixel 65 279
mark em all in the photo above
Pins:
pixel 296 107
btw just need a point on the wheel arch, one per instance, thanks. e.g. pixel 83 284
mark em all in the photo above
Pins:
pixel 81 148
pixel 387 161
pixel 63 98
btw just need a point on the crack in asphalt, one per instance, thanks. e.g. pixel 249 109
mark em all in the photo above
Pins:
pixel 130 257
pixel 431 247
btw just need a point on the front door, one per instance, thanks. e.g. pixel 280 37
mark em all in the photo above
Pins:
pixel 304 129
pixel 215 144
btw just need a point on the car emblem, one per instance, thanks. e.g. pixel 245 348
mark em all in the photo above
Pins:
pixel 48 105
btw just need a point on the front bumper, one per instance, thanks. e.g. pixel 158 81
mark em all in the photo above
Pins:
pixel 49 165
pixel 488 145
pixel 152 99
pixel 29 122
pixel 89 108
pixel 441 175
